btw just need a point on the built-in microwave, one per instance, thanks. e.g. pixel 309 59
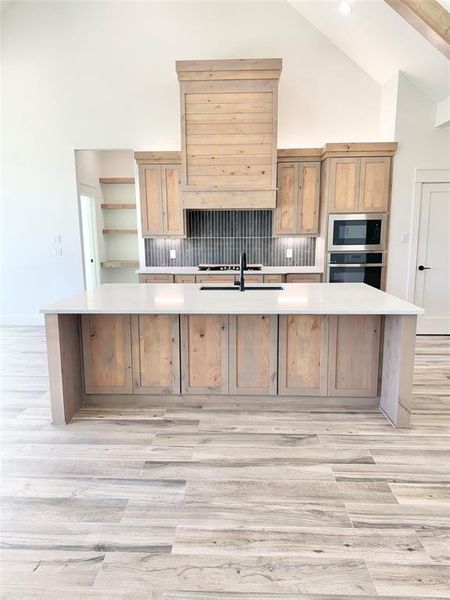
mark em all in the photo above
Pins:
pixel 357 231
pixel 356 267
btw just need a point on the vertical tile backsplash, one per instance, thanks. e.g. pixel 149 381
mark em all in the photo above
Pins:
pixel 215 236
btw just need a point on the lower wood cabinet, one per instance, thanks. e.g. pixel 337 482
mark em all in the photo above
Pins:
pixel 215 278
pixel 184 278
pixel 303 278
pixel 156 354
pixel 354 349
pixel 163 278
pixel 303 355
pixel 298 355
pixel 204 354
pixel 273 278
pixel 253 354
pixel 107 354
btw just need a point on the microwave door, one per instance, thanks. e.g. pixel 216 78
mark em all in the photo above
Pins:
pixel 356 232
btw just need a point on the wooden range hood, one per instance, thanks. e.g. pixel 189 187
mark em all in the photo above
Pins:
pixel 229 133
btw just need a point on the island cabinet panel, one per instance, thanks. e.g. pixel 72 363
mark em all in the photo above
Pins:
pixel 107 354
pixel 298 198
pixel 303 355
pixel 204 354
pixel 354 349
pixel 156 354
pixel 253 354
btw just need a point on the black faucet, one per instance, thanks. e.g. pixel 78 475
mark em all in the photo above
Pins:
pixel 242 267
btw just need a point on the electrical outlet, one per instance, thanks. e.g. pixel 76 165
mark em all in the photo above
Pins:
pixel 58 250
pixel 405 238
pixel 173 254
pixel 288 252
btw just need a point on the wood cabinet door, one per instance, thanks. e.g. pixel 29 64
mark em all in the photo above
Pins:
pixel 204 354
pixel 151 200
pixel 163 278
pixel 303 355
pixel 155 351
pixel 253 354
pixel 173 214
pixel 287 199
pixel 303 278
pixel 308 197
pixel 354 348
pixel 344 185
pixel 107 354
pixel 374 184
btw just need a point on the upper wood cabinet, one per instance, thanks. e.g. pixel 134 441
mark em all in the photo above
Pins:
pixel 374 184
pixel 161 209
pixel 359 184
pixel 298 198
pixel 229 133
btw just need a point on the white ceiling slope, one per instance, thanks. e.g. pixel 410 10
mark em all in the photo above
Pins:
pixel 379 41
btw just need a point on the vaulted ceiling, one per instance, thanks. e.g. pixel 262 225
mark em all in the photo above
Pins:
pixel 381 42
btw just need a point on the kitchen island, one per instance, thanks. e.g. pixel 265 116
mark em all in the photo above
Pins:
pixel 318 344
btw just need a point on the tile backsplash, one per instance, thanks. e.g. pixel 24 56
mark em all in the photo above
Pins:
pixel 218 236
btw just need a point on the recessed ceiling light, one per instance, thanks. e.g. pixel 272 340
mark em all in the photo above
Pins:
pixel 345 8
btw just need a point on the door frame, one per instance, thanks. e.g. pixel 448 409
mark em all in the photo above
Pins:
pixel 422 177
pixel 94 224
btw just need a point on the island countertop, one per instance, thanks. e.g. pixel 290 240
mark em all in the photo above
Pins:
pixel 294 298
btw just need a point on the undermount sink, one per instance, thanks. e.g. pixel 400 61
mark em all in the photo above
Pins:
pixel 236 289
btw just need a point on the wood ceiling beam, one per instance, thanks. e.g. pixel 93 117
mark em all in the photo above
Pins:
pixel 429 18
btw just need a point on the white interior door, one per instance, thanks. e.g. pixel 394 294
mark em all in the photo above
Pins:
pixel 432 290
pixel 90 252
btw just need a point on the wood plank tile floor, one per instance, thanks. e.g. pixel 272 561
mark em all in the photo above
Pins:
pixel 207 500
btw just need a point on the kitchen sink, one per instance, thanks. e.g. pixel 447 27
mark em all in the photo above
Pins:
pixel 236 289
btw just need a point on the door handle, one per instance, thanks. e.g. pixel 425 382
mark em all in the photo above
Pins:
pixel 422 268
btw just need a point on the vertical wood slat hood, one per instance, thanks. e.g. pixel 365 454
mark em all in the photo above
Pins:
pixel 229 133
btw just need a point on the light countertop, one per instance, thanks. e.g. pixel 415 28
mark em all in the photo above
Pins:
pixel 197 271
pixel 186 298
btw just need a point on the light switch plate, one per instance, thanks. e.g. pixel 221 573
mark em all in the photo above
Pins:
pixel 288 252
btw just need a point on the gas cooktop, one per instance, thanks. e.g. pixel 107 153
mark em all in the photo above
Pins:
pixel 228 267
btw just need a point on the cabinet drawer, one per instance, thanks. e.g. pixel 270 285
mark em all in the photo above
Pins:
pixel 184 278
pixel 273 278
pixel 215 278
pixel 156 278
pixel 303 278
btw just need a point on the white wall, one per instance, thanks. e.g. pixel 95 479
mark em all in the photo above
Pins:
pixel 421 145
pixel 102 75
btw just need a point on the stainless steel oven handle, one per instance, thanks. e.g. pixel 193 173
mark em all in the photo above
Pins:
pixel 355 265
